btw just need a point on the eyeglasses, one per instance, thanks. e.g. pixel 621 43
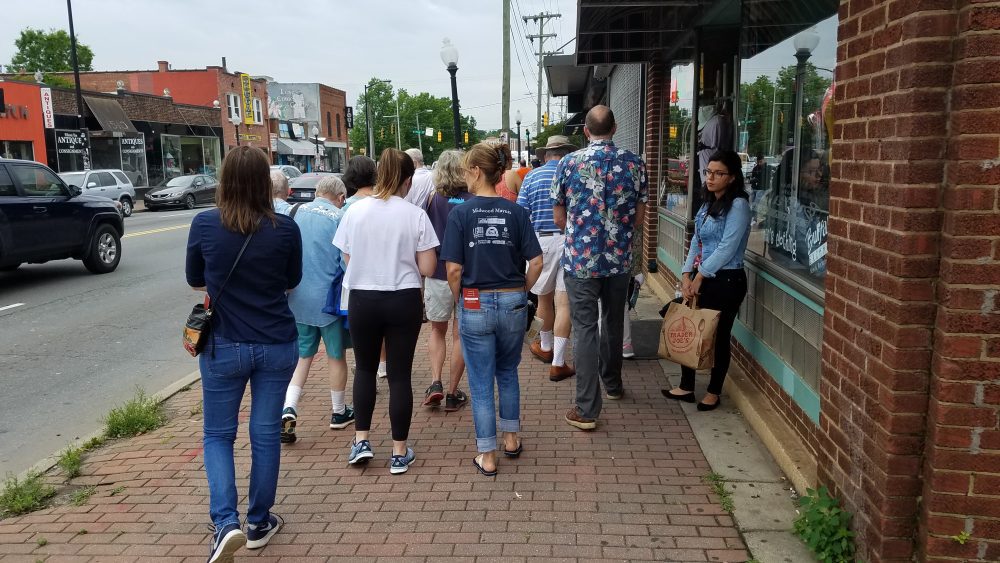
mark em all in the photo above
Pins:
pixel 715 173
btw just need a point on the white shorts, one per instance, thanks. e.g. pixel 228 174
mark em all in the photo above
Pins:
pixel 439 303
pixel 551 278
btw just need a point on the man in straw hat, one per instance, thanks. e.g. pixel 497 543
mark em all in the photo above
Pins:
pixel 553 304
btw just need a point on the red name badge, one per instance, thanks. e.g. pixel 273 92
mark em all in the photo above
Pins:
pixel 470 299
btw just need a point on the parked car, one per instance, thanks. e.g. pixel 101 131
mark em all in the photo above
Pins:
pixel 109 182
pixel 288 170
pixel 188 191
pixel 42 218
pixel 303 188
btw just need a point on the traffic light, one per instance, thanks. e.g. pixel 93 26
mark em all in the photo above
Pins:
pixel 439 136
pixel 381 133
pixel 467 137
pixel 545 119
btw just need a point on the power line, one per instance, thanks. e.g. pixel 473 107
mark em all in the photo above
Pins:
pixel 522 32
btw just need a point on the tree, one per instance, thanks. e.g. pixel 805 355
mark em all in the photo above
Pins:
pixel 766 116
pixel 48 52
pixel 555 129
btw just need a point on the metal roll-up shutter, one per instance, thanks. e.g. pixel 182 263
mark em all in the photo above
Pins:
pixel 626 100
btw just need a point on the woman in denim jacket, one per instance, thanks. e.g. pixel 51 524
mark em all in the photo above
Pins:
pixel 713 270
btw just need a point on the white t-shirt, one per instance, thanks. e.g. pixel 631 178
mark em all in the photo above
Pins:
pixel 383 238
pixel 421 187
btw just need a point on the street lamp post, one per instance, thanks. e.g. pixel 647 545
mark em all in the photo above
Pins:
pixel 235 120
pixel 368 120
pixel 518 119
pixel 82 121
pixel 804 43
pixel 449 56
pixel 318 140
pixel 527 140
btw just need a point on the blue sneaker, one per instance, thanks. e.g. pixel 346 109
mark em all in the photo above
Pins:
pixel 225 542
pixel 400 463
pixel 361 452
pixel 342 420
pixel 258 535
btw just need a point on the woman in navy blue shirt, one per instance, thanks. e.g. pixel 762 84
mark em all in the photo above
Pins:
pixel 713 270
pixel 253 339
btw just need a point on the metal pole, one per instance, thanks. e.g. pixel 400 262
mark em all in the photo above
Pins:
pixel 368 126
pixel 774 118
pixel 802 57
pixel 82 121
pixel 505 89
pixel 541 49
pixel 420 134
pixel 519 142
pixel 453 69
pixel 399 132
pixel 237 125
pixel 527 139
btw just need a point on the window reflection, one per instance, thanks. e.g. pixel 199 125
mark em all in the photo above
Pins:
pixel 674 185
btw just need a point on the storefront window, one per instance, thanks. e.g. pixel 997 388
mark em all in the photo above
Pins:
pixel 105 152
pixel 134 158
pixel 171 148
pixel 70 146
pixel 789 182
pixel 210 150
pixel 20 150
pixel 674 185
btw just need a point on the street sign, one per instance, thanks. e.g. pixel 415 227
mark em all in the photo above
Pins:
pixel 48 115
pixel 349 117
pixel 247 88
pixel 429 132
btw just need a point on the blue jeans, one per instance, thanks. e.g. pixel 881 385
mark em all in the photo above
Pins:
pixel 491 345
pixel 224 375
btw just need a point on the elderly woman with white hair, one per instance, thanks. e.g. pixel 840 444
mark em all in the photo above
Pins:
pixel 279 192
pixel 321 265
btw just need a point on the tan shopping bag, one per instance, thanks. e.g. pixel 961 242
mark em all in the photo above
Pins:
pixel 688 335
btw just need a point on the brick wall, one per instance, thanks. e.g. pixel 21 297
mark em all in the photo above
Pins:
pixel 961 489
pixel 657 83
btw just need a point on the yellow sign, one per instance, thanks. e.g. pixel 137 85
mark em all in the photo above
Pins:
pixel 249 137
pixel 247 99
pixel 673 131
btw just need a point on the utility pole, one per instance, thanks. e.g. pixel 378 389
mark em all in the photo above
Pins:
pixel 541 36
pixel 505 96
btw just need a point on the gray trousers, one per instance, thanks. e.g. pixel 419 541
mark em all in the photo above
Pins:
pixel 598 348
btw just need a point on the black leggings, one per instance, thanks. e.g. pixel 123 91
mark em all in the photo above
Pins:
pixel 725 293
pixel 395 317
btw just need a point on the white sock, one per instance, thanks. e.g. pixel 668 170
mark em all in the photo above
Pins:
pixel 292 396
pixel 627 331
pixel 337 397
pixel 546 337
pixel 559 353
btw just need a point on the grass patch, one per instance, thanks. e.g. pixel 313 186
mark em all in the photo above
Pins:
pixel 23 496
pixel 71 461
pixel 117 490
pixel 196 410
pixel 93 443
pixel 42 542
pixel 81 496
pixel 138 415
pixel 718 483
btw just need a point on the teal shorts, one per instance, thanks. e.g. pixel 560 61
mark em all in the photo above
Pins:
pixel 334 337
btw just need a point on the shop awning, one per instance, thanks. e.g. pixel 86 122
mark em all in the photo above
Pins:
pixel 303 148
pixel 109 114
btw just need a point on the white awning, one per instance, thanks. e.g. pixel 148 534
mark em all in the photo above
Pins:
pixel 289 146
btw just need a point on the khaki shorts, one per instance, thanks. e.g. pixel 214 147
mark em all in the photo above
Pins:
pixel 551 278
pixel 439 303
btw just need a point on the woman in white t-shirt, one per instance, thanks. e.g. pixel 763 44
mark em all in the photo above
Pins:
pixel 388 245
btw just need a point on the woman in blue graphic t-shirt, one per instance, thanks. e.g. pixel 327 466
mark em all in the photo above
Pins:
pixel 486 243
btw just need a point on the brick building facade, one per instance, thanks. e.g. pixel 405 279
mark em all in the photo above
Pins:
pixel 890 391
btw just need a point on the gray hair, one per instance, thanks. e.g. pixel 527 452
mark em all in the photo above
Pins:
pixel 279 184
pixel 449 176
pixel 330 185
pixel 416 156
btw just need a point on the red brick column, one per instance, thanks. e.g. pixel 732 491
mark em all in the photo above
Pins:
pixel 894 74
pixel 962 467
pixel 657 78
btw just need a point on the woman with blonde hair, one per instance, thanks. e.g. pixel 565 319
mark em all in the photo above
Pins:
pixel 449 191
pixel 387 244
pixel 486 243
pixel 247 257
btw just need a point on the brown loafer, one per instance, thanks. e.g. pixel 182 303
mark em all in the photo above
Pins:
pixel 536 349
pixel 574 419
pixel 559 373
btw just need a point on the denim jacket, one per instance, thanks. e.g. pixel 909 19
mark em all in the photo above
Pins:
pixel 720 242
pixel 321 262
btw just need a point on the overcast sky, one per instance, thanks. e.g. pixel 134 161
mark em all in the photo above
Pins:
pixel 341 43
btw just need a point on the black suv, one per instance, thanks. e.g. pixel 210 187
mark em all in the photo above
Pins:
pixel 42 219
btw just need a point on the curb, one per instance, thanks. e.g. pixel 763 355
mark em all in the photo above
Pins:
pixel 45 464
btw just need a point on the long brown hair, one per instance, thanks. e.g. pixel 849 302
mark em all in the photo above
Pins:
pixel 244 194
pixel 395 167
pixel 490 157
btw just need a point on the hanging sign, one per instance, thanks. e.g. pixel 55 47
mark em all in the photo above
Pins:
pixel 48 115
pixel 247 99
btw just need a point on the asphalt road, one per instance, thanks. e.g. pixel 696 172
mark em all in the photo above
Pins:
pixel 74 344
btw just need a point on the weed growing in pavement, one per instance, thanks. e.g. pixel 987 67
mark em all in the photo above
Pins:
pixel 718 483
pixel 138 415
pixel 117 490
pixel 82 532
pixel 81 496
pixel 23 496
pixel 42 542
pixel 824 526
pixel 196 410
pixel 93 443
pixel 961 538
pixel 186 388
pixel 70 461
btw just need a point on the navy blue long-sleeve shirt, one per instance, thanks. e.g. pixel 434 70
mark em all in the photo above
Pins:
pixel 254 305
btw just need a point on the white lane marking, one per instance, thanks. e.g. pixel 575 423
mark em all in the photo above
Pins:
pixel 4 308
pixel 176 215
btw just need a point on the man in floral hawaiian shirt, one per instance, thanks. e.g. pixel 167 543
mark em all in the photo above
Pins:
pixel 599 195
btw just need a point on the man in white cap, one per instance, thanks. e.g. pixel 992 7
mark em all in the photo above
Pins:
pixel 553 303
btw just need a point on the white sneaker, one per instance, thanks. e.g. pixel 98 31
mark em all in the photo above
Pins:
pixel 382 372
pixel 627 351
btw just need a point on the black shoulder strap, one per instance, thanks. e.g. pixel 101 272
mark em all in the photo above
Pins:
pixel 295 209
pixel 235 262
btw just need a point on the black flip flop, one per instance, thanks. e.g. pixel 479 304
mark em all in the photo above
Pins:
pixel 481 470
pixel 515 452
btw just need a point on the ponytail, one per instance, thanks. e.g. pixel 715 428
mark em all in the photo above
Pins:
pixel 395 167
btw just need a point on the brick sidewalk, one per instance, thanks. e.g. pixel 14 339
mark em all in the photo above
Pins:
pixel 631 490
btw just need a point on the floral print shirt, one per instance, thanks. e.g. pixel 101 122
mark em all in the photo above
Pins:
pixel 600 186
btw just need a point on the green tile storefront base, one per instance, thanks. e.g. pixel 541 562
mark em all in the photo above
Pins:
pixel 802 394
pixel 674 265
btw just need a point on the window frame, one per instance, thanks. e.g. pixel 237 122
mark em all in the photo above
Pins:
pixel 233 109
pixel 13 168
pixel 258 111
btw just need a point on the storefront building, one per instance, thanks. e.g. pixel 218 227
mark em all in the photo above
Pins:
pixel 309 116
pixel 872 324
pixel 21 121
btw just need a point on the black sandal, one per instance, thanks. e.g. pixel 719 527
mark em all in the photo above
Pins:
pixel 475 461
pixel 515 452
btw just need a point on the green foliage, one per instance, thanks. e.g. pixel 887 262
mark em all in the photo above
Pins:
pixel 824 526
pixel 117 490
pixel 137 416
pixel 70 461
pixel 767 110
pixel 542 138
pixel 81 496
pixel 95 442
pixel 48 79
pixel 23 496
pixel 42 542
pixel 718 483
pixel 48 51
pixel 961 538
